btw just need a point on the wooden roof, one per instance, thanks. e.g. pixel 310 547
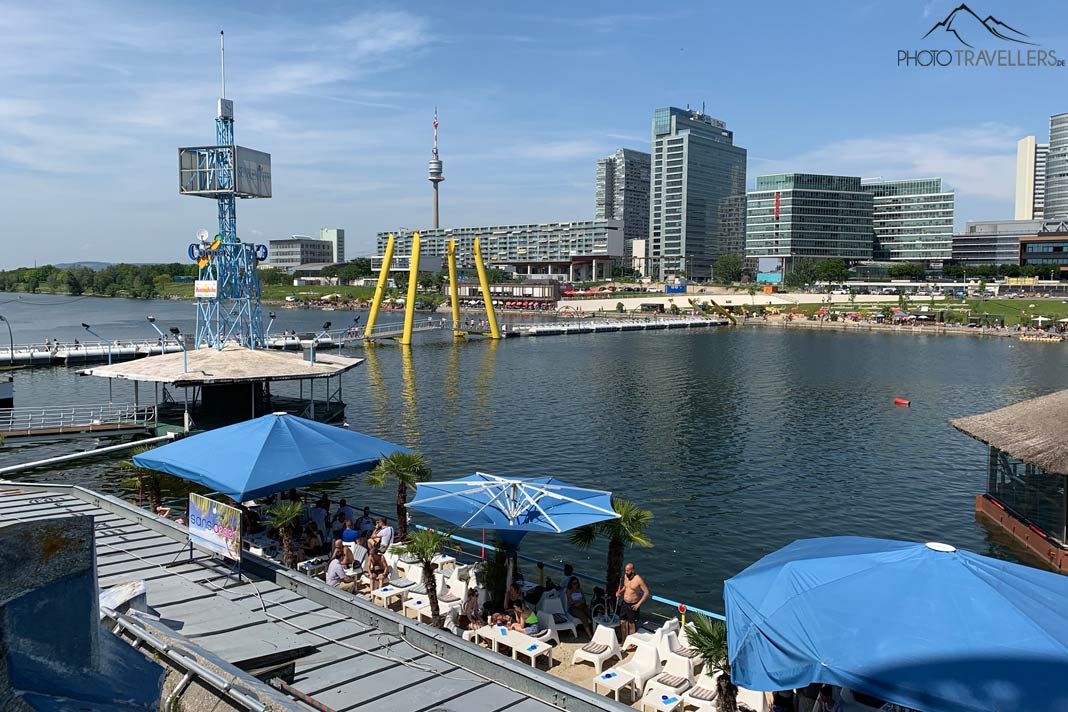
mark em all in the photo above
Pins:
pixel 233 364
pixel 1034 431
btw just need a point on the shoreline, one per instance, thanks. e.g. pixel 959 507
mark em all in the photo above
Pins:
pixel 932 329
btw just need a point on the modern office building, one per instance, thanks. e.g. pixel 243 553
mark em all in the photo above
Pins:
pixel 298 250
pixel 623 194
pixel 574 251
pixel 1047 249
pixel 695 165
pixel 793 215
pixel 732 225
pixel 1030 178
pixel 336 237
pixel 1056 198
pixel 912 220
pixel 992 242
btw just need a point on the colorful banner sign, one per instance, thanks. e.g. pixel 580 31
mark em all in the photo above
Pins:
pixel 205 289
pixel 215 526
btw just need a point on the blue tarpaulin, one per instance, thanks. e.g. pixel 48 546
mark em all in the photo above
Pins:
pixel 921 625
pixel 267 455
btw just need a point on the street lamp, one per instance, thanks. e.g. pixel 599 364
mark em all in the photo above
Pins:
pixel 10 342
pixel 315 341
pixel 267 335
pixel 162 336
pixel 185 354
pixel 86 327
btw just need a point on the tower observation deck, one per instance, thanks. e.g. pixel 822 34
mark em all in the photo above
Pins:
pixel 228 285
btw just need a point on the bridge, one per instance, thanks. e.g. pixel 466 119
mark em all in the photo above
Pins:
pixel 354 335
pixel 49 422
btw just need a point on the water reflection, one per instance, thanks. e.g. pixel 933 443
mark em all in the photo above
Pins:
pixel 410 409
pixel 379 391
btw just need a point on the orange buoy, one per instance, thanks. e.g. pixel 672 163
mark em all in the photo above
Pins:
pixel 901 401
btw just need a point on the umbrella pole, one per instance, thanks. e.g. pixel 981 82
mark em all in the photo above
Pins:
pixel 483 543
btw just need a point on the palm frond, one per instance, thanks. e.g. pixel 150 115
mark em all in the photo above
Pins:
pixel 424 544
pixel 284 512
pixel 709 639
pixel 407 468
pixel 583 536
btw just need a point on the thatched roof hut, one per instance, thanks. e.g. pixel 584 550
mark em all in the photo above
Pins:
pixel 1034 431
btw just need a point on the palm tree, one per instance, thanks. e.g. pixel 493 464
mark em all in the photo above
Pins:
pixel 709 639
pixel 621 532
pixel 424 545
pixel 407 468
pixel 282 517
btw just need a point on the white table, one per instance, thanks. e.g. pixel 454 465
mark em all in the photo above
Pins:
pixel 387 593
pixel 520 643
pixel 661 702
pixel 613 681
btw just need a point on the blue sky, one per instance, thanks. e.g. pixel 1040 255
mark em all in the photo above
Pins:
pixel 98 96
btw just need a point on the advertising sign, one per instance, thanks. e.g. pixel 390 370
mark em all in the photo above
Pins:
pixel 253 173
pixel 215 527
pixel 1021 281
pixel 205 289
pixel 769 277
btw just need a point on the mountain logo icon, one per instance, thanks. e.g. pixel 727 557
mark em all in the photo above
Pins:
pixel 965 25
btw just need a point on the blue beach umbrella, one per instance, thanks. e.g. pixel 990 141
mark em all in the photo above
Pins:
pixel 921 625
pixel 267 455
pixel 513 506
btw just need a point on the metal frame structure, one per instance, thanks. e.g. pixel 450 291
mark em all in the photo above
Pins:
pixel 234 314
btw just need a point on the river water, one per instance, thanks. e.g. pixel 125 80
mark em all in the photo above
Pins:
pixel 739 440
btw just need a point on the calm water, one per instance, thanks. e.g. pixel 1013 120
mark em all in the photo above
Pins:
pixel 739 440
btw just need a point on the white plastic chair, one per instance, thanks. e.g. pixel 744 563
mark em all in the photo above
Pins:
pixel 603 646
pixel 563 621
pixel 676 678
pixel 752 699
pixel 548 632
pixel 703 693
pixel 670 646
pixel 645 640
pixel 643 666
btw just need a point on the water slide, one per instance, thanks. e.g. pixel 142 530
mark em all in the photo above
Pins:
pixel 715 309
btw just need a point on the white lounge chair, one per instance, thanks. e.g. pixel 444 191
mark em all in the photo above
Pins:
pixel 562 619
pixel 641 667
pixel 603 646
pixel 703 693
pixel 548 632
pixel 670 645
pixel 645 640
pixel 752 699
pixel 676 678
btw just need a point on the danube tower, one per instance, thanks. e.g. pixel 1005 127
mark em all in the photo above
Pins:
pixel 435 176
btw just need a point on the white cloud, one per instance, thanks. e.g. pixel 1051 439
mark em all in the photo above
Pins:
pixel 977 161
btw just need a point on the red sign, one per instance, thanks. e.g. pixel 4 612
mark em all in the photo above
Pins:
pixel 777 194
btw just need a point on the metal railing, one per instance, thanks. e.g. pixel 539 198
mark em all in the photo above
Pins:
pixel 75 419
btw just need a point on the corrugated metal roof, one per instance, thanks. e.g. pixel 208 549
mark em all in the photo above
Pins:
pixel 353 655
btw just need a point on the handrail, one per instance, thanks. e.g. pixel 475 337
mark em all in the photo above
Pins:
pixel 658 599
pixel 26 419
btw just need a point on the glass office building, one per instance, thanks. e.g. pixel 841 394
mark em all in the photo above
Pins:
pixel 695 165
pixel 992 242
pixel 793 215
pixel 623 194
pixel 1056 205
pixel 912 220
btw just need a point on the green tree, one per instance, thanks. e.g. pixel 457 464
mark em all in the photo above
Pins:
pixel 907 270
pixel 625 530
pixel 728 268
pixel 832 270
pixel 801 273
pixel 752 290
pixel 709 639
pixel 407 468
pixel 852 299
pixel 283 517
pixel 423 546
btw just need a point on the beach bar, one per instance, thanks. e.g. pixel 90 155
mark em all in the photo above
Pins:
pixel 1027 465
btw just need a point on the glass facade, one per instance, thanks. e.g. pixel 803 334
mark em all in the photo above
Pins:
pixel 1056 189
pixel 794 215
pixel 1029 492
pixel 623 194
pixel 992 242
pixel 695 166
pixel 1048 250
pixel 912 220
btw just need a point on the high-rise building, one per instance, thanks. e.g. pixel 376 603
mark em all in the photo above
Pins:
pixel 732 225
pixel 793 215
pixel 336 237
pixel 1030 178
pixel 912 220
pixel 992 242
pixel 695 165
pixel 299 250
pixel 1056 204
pixel 623 194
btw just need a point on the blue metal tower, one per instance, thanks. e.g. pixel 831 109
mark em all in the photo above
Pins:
pixel 228 286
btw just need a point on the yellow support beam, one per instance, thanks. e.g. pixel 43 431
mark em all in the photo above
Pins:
pixel 454 291
pixel 413 286
pixel 380 288
pixel 495 333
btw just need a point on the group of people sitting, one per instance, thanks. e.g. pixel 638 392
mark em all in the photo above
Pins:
pixel 360 547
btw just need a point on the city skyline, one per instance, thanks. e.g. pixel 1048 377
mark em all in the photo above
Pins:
pixel 98 100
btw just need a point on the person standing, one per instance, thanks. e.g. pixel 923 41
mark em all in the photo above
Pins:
pixel 632 593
